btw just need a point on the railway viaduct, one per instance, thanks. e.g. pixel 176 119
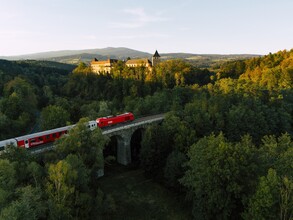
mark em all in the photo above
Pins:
pixel 124 134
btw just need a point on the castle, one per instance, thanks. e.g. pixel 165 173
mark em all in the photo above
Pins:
pixel 105 66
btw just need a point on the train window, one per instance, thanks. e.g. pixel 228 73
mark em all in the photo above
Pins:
pixel 60 133
pixel 33 140
pixel 40 138
pixel 48 137
pixel 26 141
pixel 54 135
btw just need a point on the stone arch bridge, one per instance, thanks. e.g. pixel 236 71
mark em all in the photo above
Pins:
pixel 124 134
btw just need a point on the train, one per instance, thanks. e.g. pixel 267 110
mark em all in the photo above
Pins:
pixel 44 137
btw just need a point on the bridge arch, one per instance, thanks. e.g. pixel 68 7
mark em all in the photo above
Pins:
pixel 111 149
pixel 135 145
pixel 127 138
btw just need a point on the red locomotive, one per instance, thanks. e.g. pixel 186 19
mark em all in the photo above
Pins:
pixel 113 120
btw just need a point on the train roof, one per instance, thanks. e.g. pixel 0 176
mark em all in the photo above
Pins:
pixel 6 142
pixel 113 116
pixel 42 133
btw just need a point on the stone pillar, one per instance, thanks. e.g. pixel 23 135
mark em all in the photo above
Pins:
pixel 100 171
pixel 123 149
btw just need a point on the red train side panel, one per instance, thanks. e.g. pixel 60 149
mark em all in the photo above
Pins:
pixel 36 139
pixel 113 120
pixel 39 140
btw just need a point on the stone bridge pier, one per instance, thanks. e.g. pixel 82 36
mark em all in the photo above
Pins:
pixel 123 147
pixel 126 136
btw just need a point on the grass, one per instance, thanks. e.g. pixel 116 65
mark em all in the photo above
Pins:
pixel 138 197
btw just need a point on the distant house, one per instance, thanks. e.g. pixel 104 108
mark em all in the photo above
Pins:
pixel 105 66
pixel 102 66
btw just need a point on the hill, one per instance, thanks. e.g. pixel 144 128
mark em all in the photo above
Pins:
pixel 122 53
pixel 119 53
pixel 206 60
pixel 77 58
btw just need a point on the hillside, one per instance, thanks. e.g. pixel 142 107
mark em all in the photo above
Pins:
pixel 119 53
pixel 270 71
pixel 77 58
pixel 122 53
pixel 206 60
pixel 232 139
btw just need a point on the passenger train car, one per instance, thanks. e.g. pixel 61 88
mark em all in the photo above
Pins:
pixel 44 137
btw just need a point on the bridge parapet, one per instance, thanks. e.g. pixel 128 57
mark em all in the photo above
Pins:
pixel 133 125
pixel 125 133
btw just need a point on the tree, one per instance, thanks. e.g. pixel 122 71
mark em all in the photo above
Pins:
pixel 174 169
pixel 6 129
pixel 36 172
pixel 60 181
pixel 273 198
pixel 28 205
pixel 20 158
pixel 87 144
pixel 277 153
pixel 7 181
pixel 19 87
pixel 220 175
pixel 60 189
pixel 90 110
pixel 82 179
pixel 82 68
pixel 53 117
pixel 155 148
pixel 104 109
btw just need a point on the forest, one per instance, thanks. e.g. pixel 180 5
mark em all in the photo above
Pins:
pixel 225 143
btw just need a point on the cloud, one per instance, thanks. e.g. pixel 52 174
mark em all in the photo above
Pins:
pixel 138 18
pixel 142 16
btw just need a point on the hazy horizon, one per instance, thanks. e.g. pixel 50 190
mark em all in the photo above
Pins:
pixel 209 27
pixel 150 52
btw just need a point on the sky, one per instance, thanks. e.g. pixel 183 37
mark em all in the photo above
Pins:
pixel 190 26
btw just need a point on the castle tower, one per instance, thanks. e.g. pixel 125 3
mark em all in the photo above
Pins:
pixel 156 58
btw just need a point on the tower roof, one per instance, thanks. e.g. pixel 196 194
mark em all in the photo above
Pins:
pixel 156 54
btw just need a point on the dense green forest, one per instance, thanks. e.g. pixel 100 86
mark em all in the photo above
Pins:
pixel 225 144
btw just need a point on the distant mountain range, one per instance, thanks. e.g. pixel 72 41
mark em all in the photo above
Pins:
pixel 122 53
